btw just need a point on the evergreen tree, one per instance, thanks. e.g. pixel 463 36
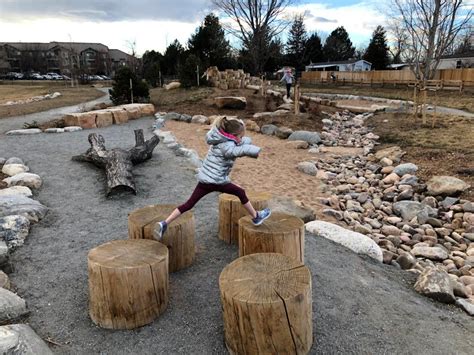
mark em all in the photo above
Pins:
pixel 151 67
pixel 276 58
pixel 120 92
pixel 314 50
pixel 377 51
pixel 338 46
pixel 172 58
pixel 187 71
pixel 209 44
pixel 296 44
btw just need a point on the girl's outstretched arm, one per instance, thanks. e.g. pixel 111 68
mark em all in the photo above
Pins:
pixel 231 150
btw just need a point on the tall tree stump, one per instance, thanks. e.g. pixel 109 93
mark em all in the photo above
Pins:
pixel 266 303
pixel 128 283
pixel 231 210
pixel 179 238
pixel 281 233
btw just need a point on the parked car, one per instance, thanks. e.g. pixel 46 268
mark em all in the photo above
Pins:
pixel 65 77
pixel 36 76
pixel 14 76
pixel 105 77
pixel 55 76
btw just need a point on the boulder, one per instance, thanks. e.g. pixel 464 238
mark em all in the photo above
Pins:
pixel 21 339
pixel 307 136
pixel 200 119
pixel 11 306
pixel 394 153
pixel 14 229
pixel 291 207
pixel 357 242
pixel 435 283
pixel 268 129
pixel 54 130
pixel 119 115
pixel 173 85
pixel 103 118
pixel 32 181
pixel 14 160
pixel 432 253
pixel 72 129
pixel 297 144
pixel 172 116
pixel 21 205
pixel 14 169
pixel 408 168
pixel 252 126
pixel 16 190
pixel 20 132
pixel 283 132
pixel 85 120
pixel 4 281
pixel 411 209
pixel 445 185
pixel 307 168
pixel 231 102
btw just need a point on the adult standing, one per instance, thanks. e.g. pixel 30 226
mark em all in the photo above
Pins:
pixel 288 78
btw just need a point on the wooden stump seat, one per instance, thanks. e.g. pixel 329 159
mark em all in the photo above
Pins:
pixel 128 283
pixel 179 238
pixel 280 233
pixel 231 210
pixel 267 305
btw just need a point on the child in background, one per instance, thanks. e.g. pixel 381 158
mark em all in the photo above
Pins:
pixel 288 78
pixel 227 143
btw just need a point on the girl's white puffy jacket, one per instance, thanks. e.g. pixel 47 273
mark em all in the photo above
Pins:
pixel 221 156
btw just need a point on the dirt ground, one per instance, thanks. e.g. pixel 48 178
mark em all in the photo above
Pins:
pixel 453 99
pixel 69 96
pixel 446 149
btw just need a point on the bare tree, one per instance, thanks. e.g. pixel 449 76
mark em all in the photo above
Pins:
pixel 432 26
pixel 398 41
pixel 255 23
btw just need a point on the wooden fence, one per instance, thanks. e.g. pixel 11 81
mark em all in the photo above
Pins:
pixel 444 78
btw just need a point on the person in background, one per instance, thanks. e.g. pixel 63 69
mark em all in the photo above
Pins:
pixel 288 78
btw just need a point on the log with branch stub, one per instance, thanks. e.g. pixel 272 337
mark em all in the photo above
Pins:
pixel 118 163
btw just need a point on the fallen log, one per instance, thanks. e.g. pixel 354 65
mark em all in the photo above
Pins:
pixel 118 163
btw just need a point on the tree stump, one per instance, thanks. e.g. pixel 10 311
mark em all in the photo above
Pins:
pixel 280 233
pixel 128 283
pixel 267 305
pixel 231 210
pixel 179 238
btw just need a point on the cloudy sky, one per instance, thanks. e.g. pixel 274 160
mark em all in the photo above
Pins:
pixel 153 24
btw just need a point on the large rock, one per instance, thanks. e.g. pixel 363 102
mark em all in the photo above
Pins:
pixel 283 132
pixel 269 129
pixel 103 118
pixel 445 185
pixel 467 305
pixel 432 253
pixel 435 283
pixel 173 85
pixel 21 132
pixel 21 205
pixel 119 115
pixel 292 207
pixel 21 339
pixel 14 160
pixel 411 209
pixel 14 169
pixel 32 181
pixel 14 229
pixel 394 153
pixel 307 136
pixel 200 119
pixel 11 306
pixel 16 190
pixel 408 168
pixel 308 168
pixel 357 242
pixel 232 102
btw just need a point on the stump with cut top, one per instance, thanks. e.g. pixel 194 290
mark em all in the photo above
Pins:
pixel 280 233
pixel 231 210
pixel 266 304
pixel 128 283
pixel 179 237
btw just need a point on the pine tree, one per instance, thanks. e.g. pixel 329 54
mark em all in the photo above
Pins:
pixel 296 44
pixel 338 46
pixel 377 51
pixel 209 44
pixel 277 58
pixel 120 92
pixel 187 71
pixel 314 50
pixel 173 58
pixel 151 67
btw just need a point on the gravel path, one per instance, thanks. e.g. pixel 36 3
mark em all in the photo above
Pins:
pixel 8 124
pixel 359 306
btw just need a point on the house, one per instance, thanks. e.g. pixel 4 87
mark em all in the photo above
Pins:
pixel 345 65
pixel 119 59
pixel 454 61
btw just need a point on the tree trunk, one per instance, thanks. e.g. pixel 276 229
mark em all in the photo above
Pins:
pixel 281 233
pixel 128 283
pixel 231 210
pixel 118 163
pixel 267 305
pixel 179 237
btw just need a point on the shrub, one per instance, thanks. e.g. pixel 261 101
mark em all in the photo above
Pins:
pixel 120 92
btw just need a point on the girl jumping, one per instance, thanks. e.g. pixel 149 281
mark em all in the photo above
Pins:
pixel 226 144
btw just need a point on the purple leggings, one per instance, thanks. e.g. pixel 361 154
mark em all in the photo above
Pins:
pixel 202 190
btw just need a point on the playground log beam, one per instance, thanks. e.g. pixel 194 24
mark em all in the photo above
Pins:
pixel 117 162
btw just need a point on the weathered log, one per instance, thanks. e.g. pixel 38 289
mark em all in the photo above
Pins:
pixel 128 283
pixel 267 305
pixel 117 162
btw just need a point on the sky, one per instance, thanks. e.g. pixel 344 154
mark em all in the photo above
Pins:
pixel 153 24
